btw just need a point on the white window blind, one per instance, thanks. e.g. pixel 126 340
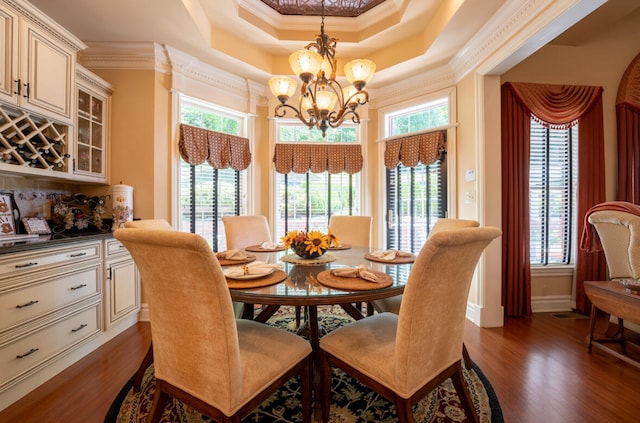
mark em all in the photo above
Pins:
pixel 552 194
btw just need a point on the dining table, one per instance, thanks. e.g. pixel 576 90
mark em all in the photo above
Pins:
pixel 309 283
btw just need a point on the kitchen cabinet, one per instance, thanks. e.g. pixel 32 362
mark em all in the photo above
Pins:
pixel 58 303
pixel 38 61
pixel 93 97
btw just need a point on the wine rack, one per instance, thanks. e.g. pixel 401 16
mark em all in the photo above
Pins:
pixel 32 141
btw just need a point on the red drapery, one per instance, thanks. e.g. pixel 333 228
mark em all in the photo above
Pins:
pixel 557 106
pixel 628 124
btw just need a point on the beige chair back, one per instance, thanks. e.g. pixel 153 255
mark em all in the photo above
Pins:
pixel 148 223
pixel 619 233
pixel 352 230
pixel 433 309
pixel 189 307
pixel 445 224
pixel 242 231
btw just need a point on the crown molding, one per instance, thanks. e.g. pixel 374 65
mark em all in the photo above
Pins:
pixel 517 30
pixel 125 56
pixel 45 23
pixel 422 83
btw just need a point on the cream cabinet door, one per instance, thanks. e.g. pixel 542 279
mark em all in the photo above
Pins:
pixel 122 290
pixel 46 72
pixel 8 55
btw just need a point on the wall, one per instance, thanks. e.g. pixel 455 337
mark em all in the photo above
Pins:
pixel 600 60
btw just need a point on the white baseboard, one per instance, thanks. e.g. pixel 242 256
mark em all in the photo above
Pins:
pixel 551 303
pixel 144 313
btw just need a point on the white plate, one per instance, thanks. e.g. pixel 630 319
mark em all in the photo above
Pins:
pixel 246 277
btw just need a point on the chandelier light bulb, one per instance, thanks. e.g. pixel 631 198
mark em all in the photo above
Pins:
pixel 359 72
pixel 306 64
pixel 326 100
pixel 283 87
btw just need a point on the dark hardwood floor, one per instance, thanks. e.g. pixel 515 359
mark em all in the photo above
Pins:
pixel 539 368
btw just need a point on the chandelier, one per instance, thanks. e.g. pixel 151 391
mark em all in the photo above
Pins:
pixel 320 92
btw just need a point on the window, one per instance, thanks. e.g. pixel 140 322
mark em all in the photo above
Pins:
pixel 307 201
pixel 416 196
pixel 207 194
pixel 552 194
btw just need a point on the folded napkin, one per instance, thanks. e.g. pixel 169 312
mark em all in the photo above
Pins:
pixel 271 245
pixel 390 254
pixel 355 272
pixel 232 255
pixel 255 268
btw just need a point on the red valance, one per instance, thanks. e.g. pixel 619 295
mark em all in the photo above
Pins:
pixel 629 88
pixel 556 106
pixel 423 148
pixel 220 150
pixel 318 158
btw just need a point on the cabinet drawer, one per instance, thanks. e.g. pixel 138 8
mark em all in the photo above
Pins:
pixel 46 294
pixel 115 248
pixel 14 265
pixel 31 352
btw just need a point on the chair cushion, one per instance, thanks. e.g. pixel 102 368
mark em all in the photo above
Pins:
pixel 374 359
pixel 262 365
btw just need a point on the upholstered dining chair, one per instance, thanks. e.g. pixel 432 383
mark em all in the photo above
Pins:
pixel 405 356
pixel 148 358
pixel 392 304
pixel 352 230
pixel 203 356
pixel 619 234
pixel 242 231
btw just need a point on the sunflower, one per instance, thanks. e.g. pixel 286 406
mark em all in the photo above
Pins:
pixel 333 240
pixel 289 238
pixel 316 242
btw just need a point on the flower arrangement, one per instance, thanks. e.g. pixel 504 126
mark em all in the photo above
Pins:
pixel 310 244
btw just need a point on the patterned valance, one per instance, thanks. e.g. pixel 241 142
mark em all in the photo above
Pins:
pixel 423 148
pixel 220 150
pixel 318 158
pixel 629 88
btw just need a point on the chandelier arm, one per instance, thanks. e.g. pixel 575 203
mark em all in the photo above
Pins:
pixel 280 111
pixel 338 119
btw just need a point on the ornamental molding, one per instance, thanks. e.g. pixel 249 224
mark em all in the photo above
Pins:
pixel 125 56
pixel 422 83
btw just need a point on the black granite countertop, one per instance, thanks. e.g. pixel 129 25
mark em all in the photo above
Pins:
pixel 44 241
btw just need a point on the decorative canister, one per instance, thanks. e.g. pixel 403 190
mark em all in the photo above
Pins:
pixel 122 196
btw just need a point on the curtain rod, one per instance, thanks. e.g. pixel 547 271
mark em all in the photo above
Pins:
pixel 424 131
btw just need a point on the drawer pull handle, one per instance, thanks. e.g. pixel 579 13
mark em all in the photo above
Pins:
pixel 30 303
pixel 21 266
pixel 73 288
pixel 82 326
pixel 120 246
pixel 31 351
pixel 78 255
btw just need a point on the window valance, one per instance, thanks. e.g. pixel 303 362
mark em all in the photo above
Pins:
pixel 423 148
pixel 220 150
pixel 556 106
pixel 318 158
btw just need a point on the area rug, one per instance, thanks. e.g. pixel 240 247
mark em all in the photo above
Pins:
pixel 351 401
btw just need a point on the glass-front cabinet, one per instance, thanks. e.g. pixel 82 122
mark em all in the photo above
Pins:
pixel 92 122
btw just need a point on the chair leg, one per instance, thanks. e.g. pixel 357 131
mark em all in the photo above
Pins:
pixel 160 400
pixel 465 396
pixel 325 387
pixel 466 357
pixel 592 325
pixel 404 410
pixel 306 386
pixel 146 361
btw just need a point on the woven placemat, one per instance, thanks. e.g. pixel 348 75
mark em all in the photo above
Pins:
pixel 259 249
pixel 397 260
pixel 341 247
pixel 276 277
pixel 225 262
pixel 354 284
pixel 296 259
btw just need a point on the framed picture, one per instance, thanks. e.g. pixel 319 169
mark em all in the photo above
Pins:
pixel 36 225
pixel 7 217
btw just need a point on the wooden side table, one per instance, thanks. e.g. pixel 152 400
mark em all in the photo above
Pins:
pixel 611 298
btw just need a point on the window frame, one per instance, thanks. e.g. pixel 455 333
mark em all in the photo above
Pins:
pixel 209 107
pixel 407 106
pixel 277 125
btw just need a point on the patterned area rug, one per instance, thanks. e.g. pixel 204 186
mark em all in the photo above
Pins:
pixel 351 401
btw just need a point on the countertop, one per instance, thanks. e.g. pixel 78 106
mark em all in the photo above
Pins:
pixel 44 241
